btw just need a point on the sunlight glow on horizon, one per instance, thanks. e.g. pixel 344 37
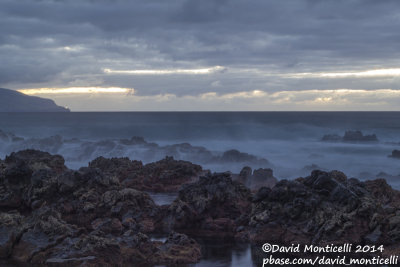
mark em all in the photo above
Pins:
pixel 166 71
pixel 255 100
pixel 358 74
pixel 76 90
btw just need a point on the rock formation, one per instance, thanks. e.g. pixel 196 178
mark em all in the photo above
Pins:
pixel 326 208
pixel 54 216
pixel 257 179
pixel 97 215
pixel 166 175
pixel 75 151
pixel 213 206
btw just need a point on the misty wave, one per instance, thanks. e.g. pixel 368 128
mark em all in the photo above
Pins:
pixel 289 158
pixel 78 152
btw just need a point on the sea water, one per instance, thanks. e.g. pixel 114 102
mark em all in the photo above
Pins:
pixel 290 141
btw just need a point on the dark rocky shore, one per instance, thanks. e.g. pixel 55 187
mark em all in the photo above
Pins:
pixel 100 215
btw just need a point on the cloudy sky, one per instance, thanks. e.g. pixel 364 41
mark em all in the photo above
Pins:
pixel 111 55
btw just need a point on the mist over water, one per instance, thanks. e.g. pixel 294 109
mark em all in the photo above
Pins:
pixel 290 141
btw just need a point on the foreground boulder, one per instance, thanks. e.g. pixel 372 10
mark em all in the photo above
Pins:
pixel 45 239
pixel 326 208
pixel 213 206
pixel 58 217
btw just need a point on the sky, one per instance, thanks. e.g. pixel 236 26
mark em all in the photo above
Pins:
pixel 208 55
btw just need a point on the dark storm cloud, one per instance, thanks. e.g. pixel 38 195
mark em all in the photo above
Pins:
pixel 63 43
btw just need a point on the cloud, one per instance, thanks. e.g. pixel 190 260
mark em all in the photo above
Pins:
pixel 166 71
pixel 359 74
pixel 161 47
pixel 77 90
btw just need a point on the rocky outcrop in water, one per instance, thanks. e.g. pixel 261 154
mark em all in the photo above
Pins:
pixel 76 151
pixel 395 154
pixel 51 215
pixel 166 175
pixel 350 137
pixel 235 156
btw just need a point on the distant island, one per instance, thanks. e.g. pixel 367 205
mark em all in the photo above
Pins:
pixel 13 101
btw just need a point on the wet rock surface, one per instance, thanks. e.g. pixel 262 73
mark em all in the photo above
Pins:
pixel 326 208
pixel 54 216
pixel 99 215
pixel 166 175
pixel 215 205
pixel 257 178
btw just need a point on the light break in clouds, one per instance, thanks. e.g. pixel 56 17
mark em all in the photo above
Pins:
pixel 203 55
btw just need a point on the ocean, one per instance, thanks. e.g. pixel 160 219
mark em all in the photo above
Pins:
pixel 287 142
pixel 290 143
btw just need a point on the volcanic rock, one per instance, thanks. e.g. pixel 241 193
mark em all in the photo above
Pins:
pixel 215 205
pixel 166 175
pixel 325 208
pixel 257 179
pixel 58 217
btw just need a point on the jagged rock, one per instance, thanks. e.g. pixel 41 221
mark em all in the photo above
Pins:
pixel 58 217
pixel 75 218
pixel 257 179
pixel 10 231
pixel 245 175
pixel 166 175
pixel 45 229
pixel 261 194
pixel 35 160
pixel 215 204
pixel 325 207
pixel 262 177
pixel 122 168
